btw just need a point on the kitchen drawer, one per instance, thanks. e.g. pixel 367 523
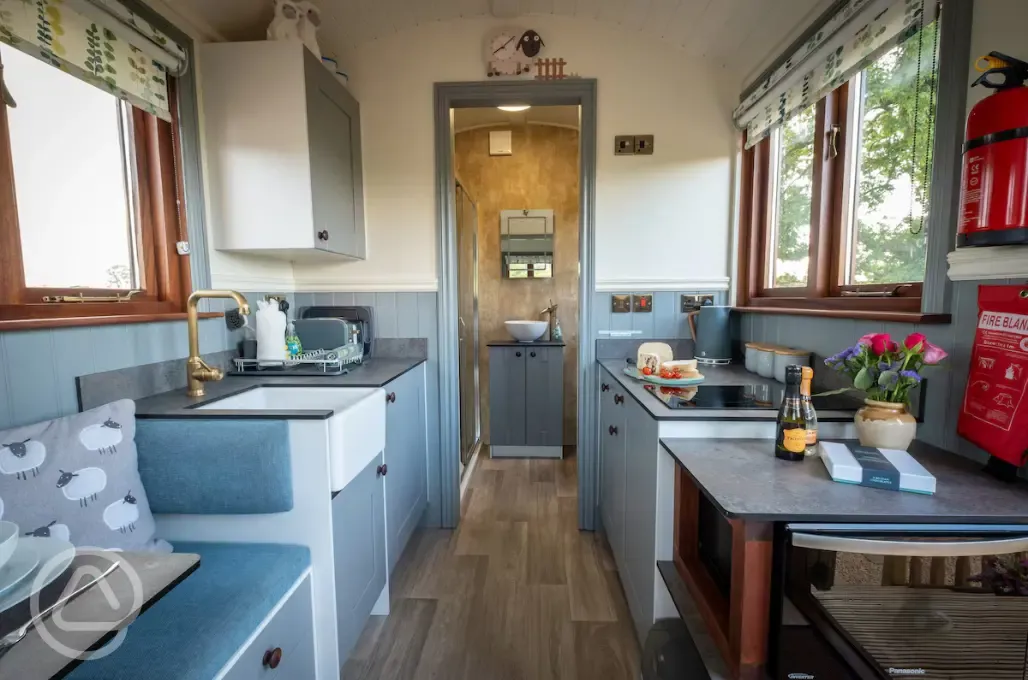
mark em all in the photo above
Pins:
pixel 291 630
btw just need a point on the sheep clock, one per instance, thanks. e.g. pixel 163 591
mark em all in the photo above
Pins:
pixel 510 51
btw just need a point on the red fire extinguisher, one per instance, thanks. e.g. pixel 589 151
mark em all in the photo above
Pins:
pixel 994 188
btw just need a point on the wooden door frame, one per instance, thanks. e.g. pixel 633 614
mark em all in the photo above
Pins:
pixel 575 92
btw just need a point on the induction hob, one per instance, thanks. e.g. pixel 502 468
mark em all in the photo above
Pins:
pixel 738 397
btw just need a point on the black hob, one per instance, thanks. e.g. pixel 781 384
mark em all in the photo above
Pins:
pixel 766 397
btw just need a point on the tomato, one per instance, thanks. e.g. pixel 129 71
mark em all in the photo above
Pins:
pixel 647 370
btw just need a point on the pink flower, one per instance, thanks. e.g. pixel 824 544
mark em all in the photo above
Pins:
pixel 882 343
pixel 915 341
pixel 933 354
pixel 866 340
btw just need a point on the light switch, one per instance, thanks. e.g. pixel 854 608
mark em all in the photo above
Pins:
pixel 624 145
pixel 644 145
pixel 620 304
pixel 642 303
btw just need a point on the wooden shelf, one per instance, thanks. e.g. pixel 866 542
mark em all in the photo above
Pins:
pixel 990 262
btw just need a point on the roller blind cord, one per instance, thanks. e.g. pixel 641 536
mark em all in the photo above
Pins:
pixel 917 193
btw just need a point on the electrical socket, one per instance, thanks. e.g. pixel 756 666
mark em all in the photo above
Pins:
pixel 690 303
pixel 620 304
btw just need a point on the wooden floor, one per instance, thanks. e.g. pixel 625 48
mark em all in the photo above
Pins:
pixel 516 593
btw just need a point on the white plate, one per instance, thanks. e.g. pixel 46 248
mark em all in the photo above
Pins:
pixel 55 557
pixel 22 563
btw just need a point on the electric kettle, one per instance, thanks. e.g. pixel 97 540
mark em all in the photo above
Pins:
pixel 711 333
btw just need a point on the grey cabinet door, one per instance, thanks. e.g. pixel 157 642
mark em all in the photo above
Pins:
pixel 612 467
pixel 359 545
pixel 507 415
pixel 641 452
pixel 406 459
pixel 544 405
pixel 334 137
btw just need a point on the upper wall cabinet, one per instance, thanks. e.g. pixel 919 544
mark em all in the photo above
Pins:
pixel 283 146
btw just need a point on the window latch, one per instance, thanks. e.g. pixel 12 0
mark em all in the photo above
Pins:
pixel 119 297
pixel 887 293
pixel 833 141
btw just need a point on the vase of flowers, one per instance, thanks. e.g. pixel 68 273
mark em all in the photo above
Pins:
pixel 885 372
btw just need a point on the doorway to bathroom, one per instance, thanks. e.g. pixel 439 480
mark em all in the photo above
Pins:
pixel 468 333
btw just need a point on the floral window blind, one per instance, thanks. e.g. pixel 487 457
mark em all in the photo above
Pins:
pixel 851 39
pixel 99 41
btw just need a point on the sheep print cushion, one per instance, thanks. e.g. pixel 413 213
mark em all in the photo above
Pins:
pixel 77 478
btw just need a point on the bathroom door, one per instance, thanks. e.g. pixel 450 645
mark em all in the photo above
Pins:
pixel 467 307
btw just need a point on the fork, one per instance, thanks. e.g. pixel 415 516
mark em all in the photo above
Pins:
pixel 18 634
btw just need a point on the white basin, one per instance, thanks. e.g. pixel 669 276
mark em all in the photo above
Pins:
pixel 356 428
pixel 526 331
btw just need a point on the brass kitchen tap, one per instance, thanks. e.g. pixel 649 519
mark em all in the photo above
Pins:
pixel 197 370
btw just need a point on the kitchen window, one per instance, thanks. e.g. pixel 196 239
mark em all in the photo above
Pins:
pixel 90 203
pixel 836 199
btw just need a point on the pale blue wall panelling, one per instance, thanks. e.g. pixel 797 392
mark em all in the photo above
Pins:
pixel 665 321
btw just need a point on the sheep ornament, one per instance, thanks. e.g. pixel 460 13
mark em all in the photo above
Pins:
pixel 21 458
pixel 82 485
pixel 103 437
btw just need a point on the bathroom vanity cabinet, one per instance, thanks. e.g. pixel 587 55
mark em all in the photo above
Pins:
pixel 526 399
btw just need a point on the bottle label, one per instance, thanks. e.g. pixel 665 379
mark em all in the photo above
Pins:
pixel 794 440
pixel 811 437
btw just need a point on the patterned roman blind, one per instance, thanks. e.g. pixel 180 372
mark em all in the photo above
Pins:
pixel 851 39
pixel 99 41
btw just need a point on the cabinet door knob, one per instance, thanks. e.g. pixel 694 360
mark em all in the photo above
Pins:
pixel 532 354
pixel 382 470
pixel 604 387
pixel 517 354
pixel 619 399
pixel 612 430
pixel 391 398
pixel 323 235
pixel 272 658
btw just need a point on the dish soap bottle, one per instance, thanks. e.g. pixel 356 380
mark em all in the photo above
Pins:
pixel 809 414
pixel 558 334
pixel 293 346
pixel 791 436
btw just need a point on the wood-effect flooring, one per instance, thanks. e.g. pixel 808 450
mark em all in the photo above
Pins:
pixel 517 592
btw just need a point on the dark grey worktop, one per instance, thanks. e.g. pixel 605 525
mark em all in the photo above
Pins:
pixel 732 374
pixel 177 404
pixel 744 480
pixel 534 343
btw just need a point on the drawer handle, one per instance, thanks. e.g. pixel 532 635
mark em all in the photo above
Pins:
pixel 323 235
pixel 619 399
pixel 517 354
pixel 532 354
pixel 383 470
pixel 613 431
pixel 604 387
pixel 272 658
pixel 391 398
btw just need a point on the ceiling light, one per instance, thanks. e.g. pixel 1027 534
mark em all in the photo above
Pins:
pixel 514 109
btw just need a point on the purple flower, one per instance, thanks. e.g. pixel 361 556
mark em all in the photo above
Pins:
pixel 911 375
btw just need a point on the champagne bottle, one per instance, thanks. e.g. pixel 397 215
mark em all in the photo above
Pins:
pixel 809 414
pixel 791 439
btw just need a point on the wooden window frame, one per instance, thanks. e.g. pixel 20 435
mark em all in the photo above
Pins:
pixel 824 295
pixel 165 275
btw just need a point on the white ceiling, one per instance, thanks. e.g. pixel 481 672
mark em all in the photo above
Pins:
pixel 738 34
pixel 561 116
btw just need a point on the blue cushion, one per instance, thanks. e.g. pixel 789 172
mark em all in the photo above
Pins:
pixel 197 627
pixel 212 467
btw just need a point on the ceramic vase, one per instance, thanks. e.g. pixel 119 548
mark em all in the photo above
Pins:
pixel 885 425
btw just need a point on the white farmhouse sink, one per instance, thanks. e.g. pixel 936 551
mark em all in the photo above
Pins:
pixel 526 331
pixel 356 428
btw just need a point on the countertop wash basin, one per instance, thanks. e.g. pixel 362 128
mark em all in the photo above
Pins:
pixel 355 417
pixel 526 331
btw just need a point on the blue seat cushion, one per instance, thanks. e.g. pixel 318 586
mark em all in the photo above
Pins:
pixel 196 628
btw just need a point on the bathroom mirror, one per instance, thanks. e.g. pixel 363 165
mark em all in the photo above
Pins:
pixel 526 244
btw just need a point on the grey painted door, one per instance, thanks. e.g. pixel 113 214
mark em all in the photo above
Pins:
pixel 612 466
pixel 544 404
pixel 641 452
pixel 406 459
pixel 507 367
pixel 359 545
pixel 333 129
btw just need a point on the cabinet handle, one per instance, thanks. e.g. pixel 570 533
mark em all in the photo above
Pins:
pixel 612 430
pixel 532 354
pixel 619 399
pixel 323 235
pixel 604 387
pixel 272 658
pixel 382 470
pixel 517 354
pixel 391 398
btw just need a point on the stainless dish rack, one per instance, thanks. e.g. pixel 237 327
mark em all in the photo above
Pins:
pixel 316 362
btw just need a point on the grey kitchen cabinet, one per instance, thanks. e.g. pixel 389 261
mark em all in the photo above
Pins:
pixel 406 459
pixel 359 547
pixel 642 449
pixel 612 463
pixel 526 400
pixel 283 148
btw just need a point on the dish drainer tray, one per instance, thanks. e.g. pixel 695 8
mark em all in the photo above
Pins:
pixel 317 362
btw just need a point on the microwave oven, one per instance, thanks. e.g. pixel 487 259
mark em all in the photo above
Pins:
pixel 867 602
